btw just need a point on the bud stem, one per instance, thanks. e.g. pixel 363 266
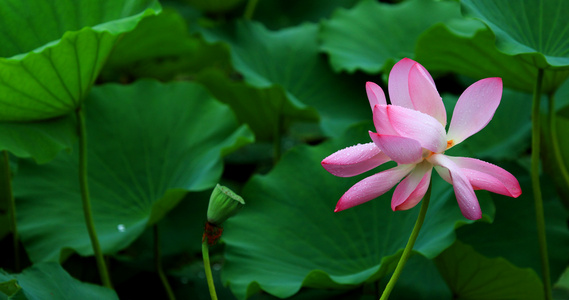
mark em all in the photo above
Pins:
pixel 207 267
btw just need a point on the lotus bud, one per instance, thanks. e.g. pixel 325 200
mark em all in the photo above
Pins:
pixel 223 204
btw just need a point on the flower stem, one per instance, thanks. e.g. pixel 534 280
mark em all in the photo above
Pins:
pixel 540 218
pixel 10 196
pixel 250 9
pixel 407 251
pixel 158 264
pixel 207 267
pixel 555 141
pixel 87 211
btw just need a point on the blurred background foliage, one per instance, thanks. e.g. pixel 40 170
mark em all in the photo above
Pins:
pixel 182 94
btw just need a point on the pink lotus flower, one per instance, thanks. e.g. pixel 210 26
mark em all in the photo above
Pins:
pixel 411 132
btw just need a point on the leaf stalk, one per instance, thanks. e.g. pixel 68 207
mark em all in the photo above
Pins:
pixel 87 210
pixel 539 212
pixel 555 142
pixel 158 264
pixel 250 9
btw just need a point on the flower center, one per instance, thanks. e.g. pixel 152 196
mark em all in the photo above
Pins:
pixel 427 153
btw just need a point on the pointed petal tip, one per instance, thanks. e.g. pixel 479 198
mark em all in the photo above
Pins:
pixel 496 82
pixel 424 95
pixel 497 79
pixel 473 212
pixel 486 176
pixel 375 94
pixel 341 205
pixel 474 216
pixel 475 108
pixel 516 193
pixel 354 160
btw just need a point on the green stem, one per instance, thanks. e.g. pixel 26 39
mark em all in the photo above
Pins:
pixel 555 141
pixel 87 211
pixel 407 251
pixel 207 267
pixel 12 202
pixel 250 9
pixel 540 218
pixel 158 264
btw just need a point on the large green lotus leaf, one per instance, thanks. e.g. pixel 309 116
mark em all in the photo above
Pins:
pixel 373 36
pixel 536 30
pixel 52 51
pixel 506 136
pixel 514 228
pixel 180 235
pixel 277 14
pixel 186 220
pixel 561 287
pixel 289 225
pixel 149 143
pixel 161 47
pixel 466 47
pixel 471 275
pixel 41 141
pixel 263 109
pixel 289 58
pixel 49 281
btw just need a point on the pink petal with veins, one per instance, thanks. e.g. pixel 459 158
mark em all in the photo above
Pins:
pixel 486 176
pixel 412 189
pixel 372 187
pixel 398 85
pixel 424 94
pixel 475 108
pixel 463 190
pixel 400 149
pixel 416 125
pixel 381 120
pixel 354 160
pixel 375 95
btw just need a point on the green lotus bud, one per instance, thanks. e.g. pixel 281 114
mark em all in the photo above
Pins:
pixel 223 204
